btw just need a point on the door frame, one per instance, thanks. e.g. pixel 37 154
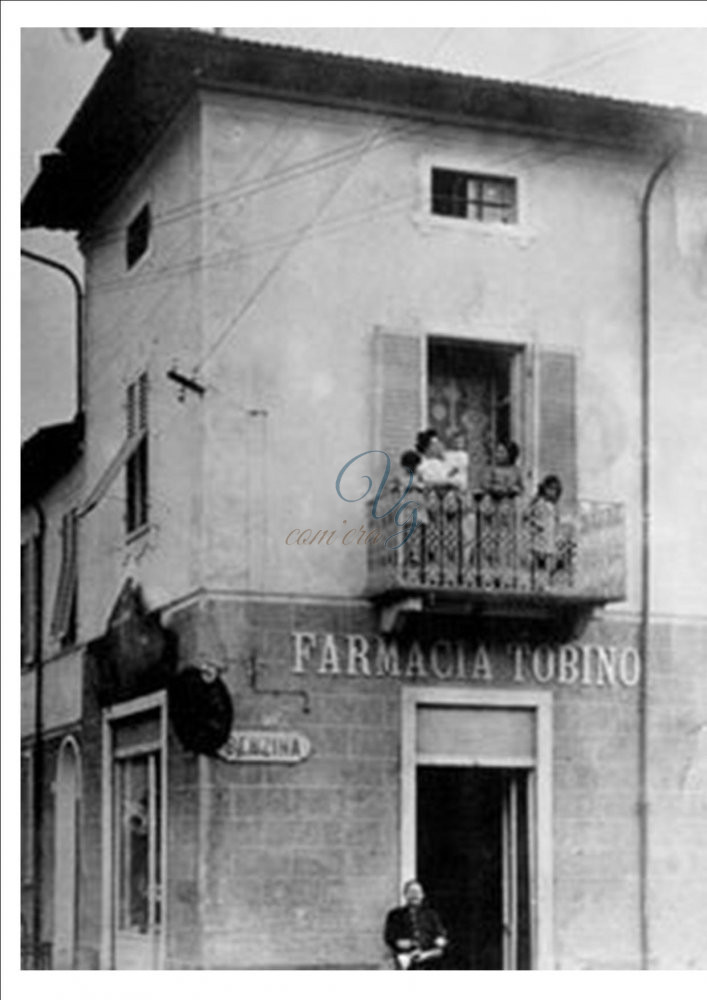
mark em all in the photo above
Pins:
pixel 540 767
pixel 122 713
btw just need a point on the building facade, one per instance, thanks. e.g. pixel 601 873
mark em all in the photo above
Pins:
pixel 256 719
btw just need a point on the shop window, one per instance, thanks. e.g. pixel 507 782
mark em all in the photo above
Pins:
pixel 479 197
pixel 136 826
pixel 137 238
pixel 136 469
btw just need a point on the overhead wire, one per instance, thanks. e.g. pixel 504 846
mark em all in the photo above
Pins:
pixel 272 241
pixel 314 227
pixel 321 161
pixel 590 59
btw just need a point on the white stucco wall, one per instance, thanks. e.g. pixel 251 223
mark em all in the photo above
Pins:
pixel 291 233
pixel 302 268
pixel 145 319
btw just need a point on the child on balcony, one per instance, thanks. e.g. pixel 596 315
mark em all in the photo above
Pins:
pixel 504 478
pixel 545 533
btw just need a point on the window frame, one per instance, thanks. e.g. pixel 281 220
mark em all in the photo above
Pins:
pixel 134 230
pixel 474 204
pixel 489 162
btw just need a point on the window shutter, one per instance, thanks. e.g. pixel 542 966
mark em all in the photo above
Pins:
pixel 130 409
pixel 398 409
pixel 28 594
pixel 66 588
pixel 142 402
pixel 557 445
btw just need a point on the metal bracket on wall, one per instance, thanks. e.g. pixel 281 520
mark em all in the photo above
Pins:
pixel 185 382
pixel 252 666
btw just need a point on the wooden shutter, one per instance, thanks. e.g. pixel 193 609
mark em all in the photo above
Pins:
pixel 398 403
pixel 66 588
pixel 28 596
pixel 136 405
pixel 557 430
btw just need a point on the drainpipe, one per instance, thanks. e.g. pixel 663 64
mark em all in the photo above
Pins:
pixel 78 292
pixel 38 763
pixel 643 640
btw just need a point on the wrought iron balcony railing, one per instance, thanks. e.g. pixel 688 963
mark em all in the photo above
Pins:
pixel 513 546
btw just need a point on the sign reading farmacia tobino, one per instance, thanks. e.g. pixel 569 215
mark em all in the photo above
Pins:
pixel 355 655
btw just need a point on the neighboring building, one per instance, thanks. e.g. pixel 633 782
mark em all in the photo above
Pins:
pixel 265 724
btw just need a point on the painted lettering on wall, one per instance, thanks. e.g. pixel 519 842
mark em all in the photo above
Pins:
pixel 356 655
pixel 262 746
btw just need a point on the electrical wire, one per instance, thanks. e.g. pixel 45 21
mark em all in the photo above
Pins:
pixel 634 40
pixel 288 240
pixel 322 160
pixel 272 241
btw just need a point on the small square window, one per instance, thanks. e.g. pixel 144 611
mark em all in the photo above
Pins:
pixel 474 196
pixel 138 236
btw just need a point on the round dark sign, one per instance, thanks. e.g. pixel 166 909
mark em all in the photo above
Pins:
pixel 201 710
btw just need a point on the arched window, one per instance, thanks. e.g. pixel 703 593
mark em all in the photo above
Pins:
pixel 66 853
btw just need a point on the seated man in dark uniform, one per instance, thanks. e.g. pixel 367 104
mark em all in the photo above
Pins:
pixel 414 932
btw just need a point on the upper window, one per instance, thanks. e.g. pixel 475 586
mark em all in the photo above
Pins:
pixel 474 196
pixel 138 236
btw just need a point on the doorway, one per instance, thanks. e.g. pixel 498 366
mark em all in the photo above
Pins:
pixel 476 801
pixel 473 860
pixel 134 835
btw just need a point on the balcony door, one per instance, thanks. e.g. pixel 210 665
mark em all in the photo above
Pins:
pixel 476 391
pixel 489 391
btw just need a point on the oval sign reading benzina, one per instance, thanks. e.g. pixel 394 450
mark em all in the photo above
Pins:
pixel 264 746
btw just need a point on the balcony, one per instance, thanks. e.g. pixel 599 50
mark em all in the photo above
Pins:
pixel 495 558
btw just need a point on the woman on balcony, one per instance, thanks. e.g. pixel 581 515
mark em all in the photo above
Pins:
pixel 443 477
pixel 439 467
